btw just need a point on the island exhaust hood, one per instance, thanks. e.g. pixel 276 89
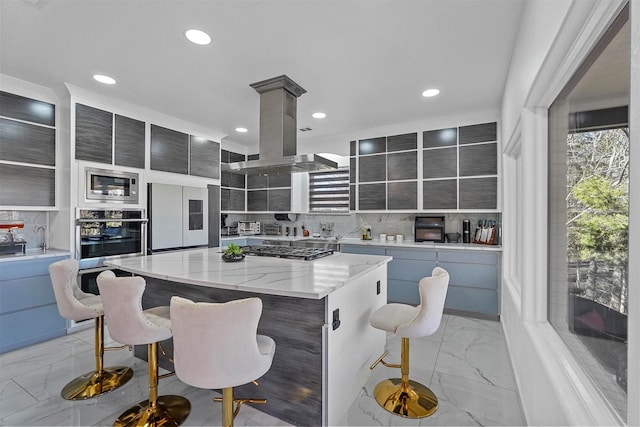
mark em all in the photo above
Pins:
pixel 278 127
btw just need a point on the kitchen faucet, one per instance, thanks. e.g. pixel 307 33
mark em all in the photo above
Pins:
pixel 44 238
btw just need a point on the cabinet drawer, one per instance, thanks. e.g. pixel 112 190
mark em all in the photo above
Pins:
pixel 27 327
pixel 472 299
pixel 403 291
pixel 28 268
pixel 468 257
pixel 403 269
pixel 18 294
pixel 472 275
pixel 365 250
pixel 418 254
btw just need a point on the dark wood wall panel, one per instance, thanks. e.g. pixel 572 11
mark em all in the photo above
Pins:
pixel 485 132
pixel 205 157
pixel 27 109
pixel 481 159
pixel 440 194
pixel 441 163
pixel 402 165
pixel 402 195
pixel 295 324
pixel 236 200
pixel 169 150
pixel 279 180
pixel 27 186
pixel 94 133
pixel 257 181
pixel 129 142
pixel 27 143
pixel 478 193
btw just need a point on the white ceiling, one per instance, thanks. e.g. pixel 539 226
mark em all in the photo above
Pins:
pixel 364 63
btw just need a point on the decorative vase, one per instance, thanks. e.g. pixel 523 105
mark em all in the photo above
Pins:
pixel 232 258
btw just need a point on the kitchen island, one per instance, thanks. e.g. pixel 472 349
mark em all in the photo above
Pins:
pixel 316 311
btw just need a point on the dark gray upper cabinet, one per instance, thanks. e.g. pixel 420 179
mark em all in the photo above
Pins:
pixel 408 141
pixel 279 180
pixel 478 193
pixel 129 142
pixel 402 165
pixel 257 200
pixel 439 138
pixel 480 159
pixel 257 181
pixel 352 170
pixel 253 157
pixel 236 200
pixel 27 143
pixel 27 109
pixel 440 194
pixel 402 195
pixel 372 146
pixel 169 150
pixel 204 157
pixel 372 196
pixel 233 180
pixel 224 199
pixel 236 157
pixel 352 197
pixel 279 200
pixel 94 130
pixel 372 168
pixel 353 148
pixel 486 132
pixel 27 186
pixel 440 163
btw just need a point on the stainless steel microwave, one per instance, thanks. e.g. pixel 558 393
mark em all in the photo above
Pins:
pixel 111 186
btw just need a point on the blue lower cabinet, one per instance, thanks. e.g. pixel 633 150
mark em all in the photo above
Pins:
pixel 28 309
pixel 472 300
pixel 408 269
pixel 403 291
pixel 471 275
pixel 365 250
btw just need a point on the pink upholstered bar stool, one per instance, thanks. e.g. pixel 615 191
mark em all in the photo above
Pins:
pixel 128 323
pixel 403 396
pixel 216 346
pixel 73 304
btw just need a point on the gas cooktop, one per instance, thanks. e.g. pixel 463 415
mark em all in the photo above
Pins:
pixel 307 254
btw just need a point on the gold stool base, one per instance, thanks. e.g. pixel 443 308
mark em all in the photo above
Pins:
pixel 169 411
pixel 96 383
pixel 415 401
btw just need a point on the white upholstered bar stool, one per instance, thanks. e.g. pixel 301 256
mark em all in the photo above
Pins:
pixel 403 396
pixel 128 323
pixel 216 346
pixel 73 304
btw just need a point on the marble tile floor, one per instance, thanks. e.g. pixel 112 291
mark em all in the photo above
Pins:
pixel 465 363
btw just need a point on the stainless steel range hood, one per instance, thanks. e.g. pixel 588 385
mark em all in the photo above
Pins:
pixel 278 128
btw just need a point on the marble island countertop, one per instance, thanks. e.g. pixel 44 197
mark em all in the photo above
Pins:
pixel 373 242
pixel 276 276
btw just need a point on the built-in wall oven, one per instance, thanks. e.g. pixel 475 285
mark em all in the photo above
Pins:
pixel 103 234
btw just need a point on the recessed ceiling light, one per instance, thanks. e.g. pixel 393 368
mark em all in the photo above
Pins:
pixel 430 92
pixel 104 79
pixel 241 130
pixel 318 115
pixel 198 37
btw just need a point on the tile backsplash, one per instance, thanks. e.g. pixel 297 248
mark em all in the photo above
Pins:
pixel 388 223
pixel 35 225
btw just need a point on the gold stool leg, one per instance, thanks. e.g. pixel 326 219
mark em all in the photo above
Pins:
pixel 101 380
pixel 227 407
pixel 403 396
pixel 156 411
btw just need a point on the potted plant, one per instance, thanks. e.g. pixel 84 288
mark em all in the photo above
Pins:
pixel 233 253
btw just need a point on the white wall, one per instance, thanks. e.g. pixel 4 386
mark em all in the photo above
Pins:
pixel 552 43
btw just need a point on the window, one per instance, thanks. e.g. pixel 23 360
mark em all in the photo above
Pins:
pixel 588 214
pixel 329 191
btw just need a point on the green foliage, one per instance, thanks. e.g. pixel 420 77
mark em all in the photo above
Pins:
pixel 233 250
